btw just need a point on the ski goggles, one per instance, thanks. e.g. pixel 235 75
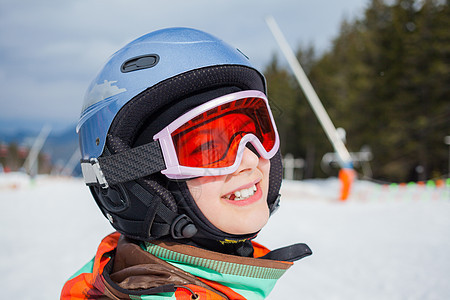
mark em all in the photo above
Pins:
pixel 210 139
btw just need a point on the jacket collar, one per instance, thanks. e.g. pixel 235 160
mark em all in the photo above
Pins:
pixel 251 277
pixel 160 267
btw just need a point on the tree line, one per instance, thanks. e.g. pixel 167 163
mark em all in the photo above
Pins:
pixel 385 80
pixel 13 156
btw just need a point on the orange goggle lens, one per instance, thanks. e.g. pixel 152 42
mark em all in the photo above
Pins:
pixel 211 140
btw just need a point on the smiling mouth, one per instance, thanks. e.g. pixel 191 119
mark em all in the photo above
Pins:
pixel 242 194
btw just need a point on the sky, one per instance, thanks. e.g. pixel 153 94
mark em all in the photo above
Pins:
pixel 51 50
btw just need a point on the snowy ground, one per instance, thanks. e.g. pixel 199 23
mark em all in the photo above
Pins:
pixel 383 243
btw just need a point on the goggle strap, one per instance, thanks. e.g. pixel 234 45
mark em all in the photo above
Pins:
pixel 124 166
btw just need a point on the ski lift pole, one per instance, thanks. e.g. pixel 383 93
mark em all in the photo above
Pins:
pixel 32 157
pixel 346 174
pixel 71 164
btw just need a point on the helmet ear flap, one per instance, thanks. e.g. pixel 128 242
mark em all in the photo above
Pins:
pixel 114 198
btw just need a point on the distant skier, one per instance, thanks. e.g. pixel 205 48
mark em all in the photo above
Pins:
pixel 181 154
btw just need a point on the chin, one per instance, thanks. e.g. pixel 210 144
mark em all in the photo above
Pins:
pixel 253 226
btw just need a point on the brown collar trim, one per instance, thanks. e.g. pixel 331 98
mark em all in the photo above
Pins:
pixel 192 251
pixel 136 271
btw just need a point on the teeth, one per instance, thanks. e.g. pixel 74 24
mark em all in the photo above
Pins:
pixel 244 194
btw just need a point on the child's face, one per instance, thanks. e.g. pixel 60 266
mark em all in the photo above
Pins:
pixel 216 196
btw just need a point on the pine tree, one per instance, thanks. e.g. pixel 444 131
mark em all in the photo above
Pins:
pixel 385 80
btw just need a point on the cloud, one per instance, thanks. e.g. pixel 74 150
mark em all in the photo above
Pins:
pixel 50 51
pixel 102 91
pixel 29 98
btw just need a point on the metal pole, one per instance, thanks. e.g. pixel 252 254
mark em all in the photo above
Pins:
pixel 311 96
pixel 71 164
pixel 31 159
pixel 447 142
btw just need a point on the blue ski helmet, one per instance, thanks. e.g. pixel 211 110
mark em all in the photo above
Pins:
pixel 141 89
pixel 141 64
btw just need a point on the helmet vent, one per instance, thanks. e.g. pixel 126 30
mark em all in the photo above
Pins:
pixel 139 63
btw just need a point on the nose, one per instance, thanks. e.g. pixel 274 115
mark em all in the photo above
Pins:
pixel 249 161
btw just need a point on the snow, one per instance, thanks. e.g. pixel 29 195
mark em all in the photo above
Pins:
pixel 383 243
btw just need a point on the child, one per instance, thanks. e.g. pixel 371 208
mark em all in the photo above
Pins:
pixel 181 154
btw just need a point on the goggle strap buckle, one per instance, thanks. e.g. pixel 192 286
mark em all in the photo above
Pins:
pixel 92 173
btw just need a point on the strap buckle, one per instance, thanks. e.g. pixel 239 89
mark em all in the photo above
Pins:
pixel 92 173
pixel 182 227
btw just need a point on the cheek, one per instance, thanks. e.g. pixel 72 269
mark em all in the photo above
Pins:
pixel 204 188
pixel 207 191
pixel 264 167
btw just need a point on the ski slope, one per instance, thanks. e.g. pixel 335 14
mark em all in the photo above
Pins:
pixel 380 244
